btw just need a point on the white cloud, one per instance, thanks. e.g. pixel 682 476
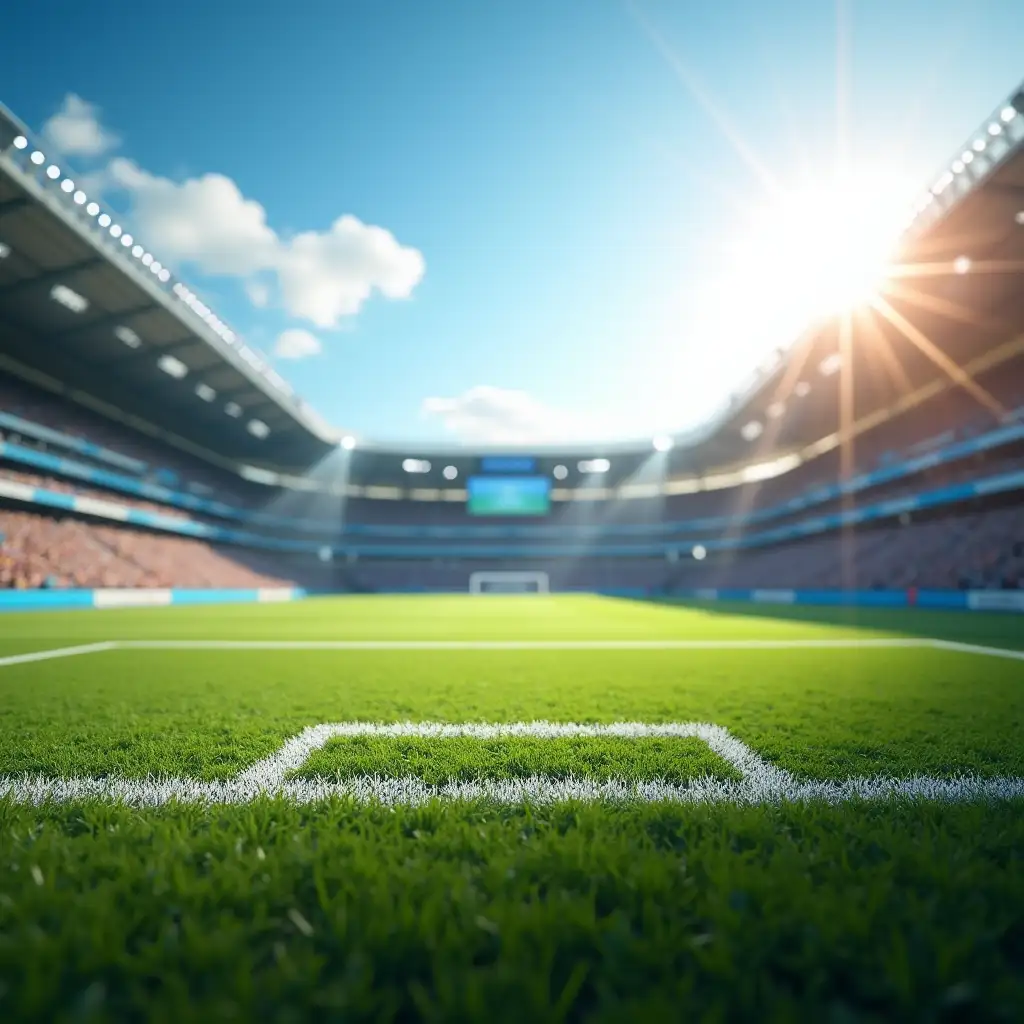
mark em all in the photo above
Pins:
pixel 259 294
pixel 206 221
pixel 326 277
pixel 76 130
pixel 491 415
pixel 321 277
pixel 296 343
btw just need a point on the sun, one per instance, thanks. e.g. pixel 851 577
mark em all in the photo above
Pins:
pixel 825 247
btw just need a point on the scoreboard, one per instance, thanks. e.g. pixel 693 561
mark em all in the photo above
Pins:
pixel 508 485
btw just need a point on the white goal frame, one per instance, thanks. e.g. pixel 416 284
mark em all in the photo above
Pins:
pixel 477 581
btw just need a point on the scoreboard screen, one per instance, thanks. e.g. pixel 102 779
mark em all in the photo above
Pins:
pixel 509 495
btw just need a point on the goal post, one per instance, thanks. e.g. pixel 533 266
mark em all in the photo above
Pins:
pixel 509 583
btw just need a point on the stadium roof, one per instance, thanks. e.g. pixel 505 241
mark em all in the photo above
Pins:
pixel 86 305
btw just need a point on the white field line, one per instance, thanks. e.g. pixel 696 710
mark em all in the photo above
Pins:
pixel 519 645
pixel 997 652
pixel 57 652
pixel 761 782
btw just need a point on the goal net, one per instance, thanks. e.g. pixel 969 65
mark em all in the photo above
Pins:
pixel 509 583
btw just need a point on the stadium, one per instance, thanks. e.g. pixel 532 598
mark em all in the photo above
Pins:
pixel 299 724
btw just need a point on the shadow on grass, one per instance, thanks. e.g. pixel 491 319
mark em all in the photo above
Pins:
pixel 996 629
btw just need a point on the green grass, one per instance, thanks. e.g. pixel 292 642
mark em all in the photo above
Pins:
pixel 452 912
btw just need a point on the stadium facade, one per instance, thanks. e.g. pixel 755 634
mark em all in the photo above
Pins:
pixel 148 450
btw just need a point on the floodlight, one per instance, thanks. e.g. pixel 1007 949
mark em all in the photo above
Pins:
pixel 37 158
pixel 67 185
pixel 127 240
pixel 593 465
pixel 416 465
pixel 967 156
pixel 137 251
pixel 5 251
pixel 560 472
pixel 450 472
pixel 233 409
pixel 776 410
pixel 20 142
pixel 93 209
pixel 995 128
pixel 830 364
pixel 700 552
pixel 53 172
pixel 156 266
pixel 962 264
pixel 115 230
pixel 1007 114
pixel 147 259
pixel 127 336
pixel 751 431
pixel 802 389
pixel 79 197
pixel 164 275
pixel 348 442
pixel 663 443
pixel 68 298
pixel 979 145
pixel 258 428
pixel 172 366
pixel 958 167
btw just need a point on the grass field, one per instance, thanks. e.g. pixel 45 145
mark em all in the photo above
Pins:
pixel 522 809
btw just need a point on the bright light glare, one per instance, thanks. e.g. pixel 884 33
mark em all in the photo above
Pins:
pixel 700 552
pixel 663 443
pixel 348 442
pixel 822 250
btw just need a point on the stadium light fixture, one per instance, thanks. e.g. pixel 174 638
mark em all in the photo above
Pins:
pixel 967 156
pixel 67 185
pixel 962 264
pixel 593 465
pixel 172 366
pixel 348 442
pixel 126 241
pixel 205 392
pixel 38 158
pixel 79 198
pixel 147 259
pixel 137 250
pixel 416 465
pixel 995 128
pixel 663 443
pixel 560 472
pixel 830 365
pixel 450 472
pixel 751 431
pixel 233 409
pixel 258 429
pixel 164 275
pixel 156 266
pixel 958 167
pixel 700 552
pixel 93 209
pixel 1006 115
pixel 68 298
pixel 5 251
pixel 115 230
pixel 53 172
pixel 128 337
pixel 979 145
pixel 20 142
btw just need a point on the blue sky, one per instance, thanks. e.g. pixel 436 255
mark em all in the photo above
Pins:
pixel 572 193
